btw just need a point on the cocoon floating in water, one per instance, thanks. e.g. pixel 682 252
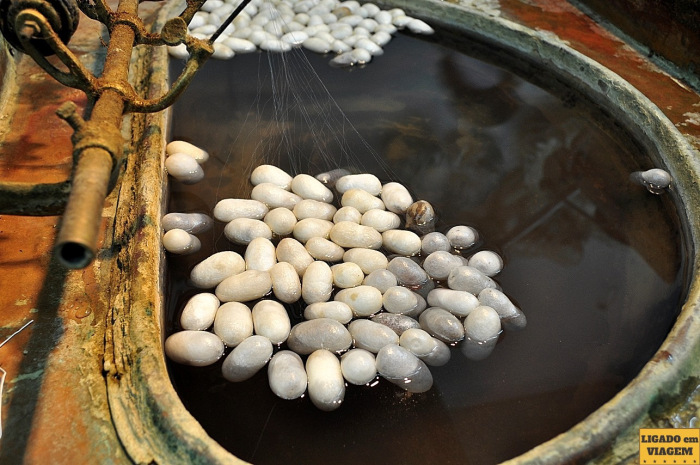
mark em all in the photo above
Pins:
pixel 229 209
pixel 326 383
pixel 260 254
pixel 247 358
pixel 293 252
pixel 317 283
pixel 401 367
pixel 358 366
pixel 286 284
pixel 270 319
pixel 244 287
pixel 363 300
pixel 195 348
pixel 244 230
pixel 199 312
pixel 286 375
pixel 486 261
pixel 180 146
pixel 339 311
pixel 281 221
pixel 370 335
pixel 381 279
pixel 184 168
pixel 233 323
pixel 180 242
pixel 368 260
pixel 271 174
pixel 193 223
pixel 321 333
pixel 442 324
pixel 212 270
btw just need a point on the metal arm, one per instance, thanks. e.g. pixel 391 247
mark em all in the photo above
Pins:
pixel 97 142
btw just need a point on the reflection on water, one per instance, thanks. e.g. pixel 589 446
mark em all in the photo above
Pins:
pixel 594 260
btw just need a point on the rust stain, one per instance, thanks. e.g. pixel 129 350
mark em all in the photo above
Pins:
pixel 586 36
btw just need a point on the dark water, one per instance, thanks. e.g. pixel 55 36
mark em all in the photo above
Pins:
pixel 595 262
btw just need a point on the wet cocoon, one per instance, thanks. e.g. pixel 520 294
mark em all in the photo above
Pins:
pixel 421 344
pixel 230 209
pixel 286 375
pixel 404 369
pixel 339 311
pixel 352 235
pixel 381 279
pixel 199 312
pixel 321 333
pixel 358 366
pixel 398 323
pixel 486 261
pixel 270 319
pixel 195 348
pixel 180 146
pixel 378 306
pixel 247 358
pixel 286 284
pixel 184 168
pixel 212 270
pixel 180 242
pixel 325 378
pixel 244 287
pixel 442 324
pixel 244 230
pixel 193 223
pixel 370 335
pixel 317 283
pixel 233 323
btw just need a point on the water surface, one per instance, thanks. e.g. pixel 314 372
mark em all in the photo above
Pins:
pixel 595 261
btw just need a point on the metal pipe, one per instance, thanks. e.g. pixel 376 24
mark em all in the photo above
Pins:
pixel 76 244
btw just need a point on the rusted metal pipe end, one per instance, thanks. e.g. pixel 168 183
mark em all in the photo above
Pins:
pixel 74 255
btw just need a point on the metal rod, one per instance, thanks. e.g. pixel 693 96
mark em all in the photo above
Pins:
pixel 76 244
pixel 228 21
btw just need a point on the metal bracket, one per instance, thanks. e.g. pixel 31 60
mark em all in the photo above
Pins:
pixel 97 142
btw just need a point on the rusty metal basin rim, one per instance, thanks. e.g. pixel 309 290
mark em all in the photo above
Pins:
pixel 153 424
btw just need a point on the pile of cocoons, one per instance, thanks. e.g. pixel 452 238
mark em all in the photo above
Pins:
pixel 351 32
pixel 382 293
